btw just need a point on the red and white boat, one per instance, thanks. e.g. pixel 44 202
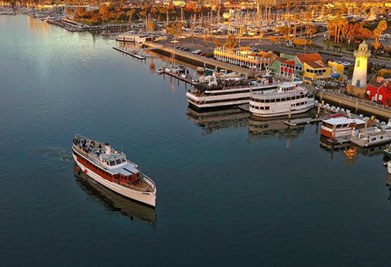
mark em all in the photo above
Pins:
pixel 111 169
pixel 339 128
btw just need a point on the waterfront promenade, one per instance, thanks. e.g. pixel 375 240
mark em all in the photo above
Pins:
pixel 199 60
pixel 355 104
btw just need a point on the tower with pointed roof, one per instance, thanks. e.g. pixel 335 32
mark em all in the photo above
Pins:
pixel 360 66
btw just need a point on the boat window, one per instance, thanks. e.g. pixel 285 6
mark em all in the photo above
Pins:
pixel 112 163
pixel 118 161
pixel 267 108
pixel 373 139
pixel 267 100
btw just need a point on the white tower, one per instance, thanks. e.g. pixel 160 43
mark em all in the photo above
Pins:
pixel 360 67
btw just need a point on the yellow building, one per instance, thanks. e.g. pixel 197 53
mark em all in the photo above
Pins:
pixel 315 71
pixel 337 70
pixel 245 57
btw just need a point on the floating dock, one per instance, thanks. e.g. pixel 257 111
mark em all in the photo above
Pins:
pixel 199 60
pixel 178 77
pixel 140 57
pixel 301 121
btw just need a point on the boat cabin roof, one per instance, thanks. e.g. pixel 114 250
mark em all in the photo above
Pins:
pixel 343 120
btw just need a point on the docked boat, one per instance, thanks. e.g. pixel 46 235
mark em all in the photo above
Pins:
pixel 288 99
pixel 371 136
pixel 339 128
pixel 173 69
pixel 160 70
pixel 387 152
pixel 111 169
pixel 222 93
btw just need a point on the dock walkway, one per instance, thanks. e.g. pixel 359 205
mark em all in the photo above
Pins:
pixel 354 103
pixel 201 60
pixel 129 53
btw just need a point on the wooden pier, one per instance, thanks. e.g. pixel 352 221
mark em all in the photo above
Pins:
pixel 130 53
pixel 199 60
pixel 178 77
pixel 354 104
pixel 302 121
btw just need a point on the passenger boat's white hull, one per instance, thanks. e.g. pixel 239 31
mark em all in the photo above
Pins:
pixel 148 198
pixel 265 114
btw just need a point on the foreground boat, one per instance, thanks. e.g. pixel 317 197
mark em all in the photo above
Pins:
pixel 114 201
pixel 111 169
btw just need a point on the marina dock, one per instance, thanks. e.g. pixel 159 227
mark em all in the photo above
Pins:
pixel 185 80
pixel 354 104
pixel 140 57
pixel 302 121
pixel 199 60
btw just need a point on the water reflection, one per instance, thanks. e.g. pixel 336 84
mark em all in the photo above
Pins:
pixel 215 120
pixel 349 150
pixel 211 121
pixel 39 27
pixel 113 201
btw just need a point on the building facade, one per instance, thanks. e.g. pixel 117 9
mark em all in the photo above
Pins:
pixel 245 57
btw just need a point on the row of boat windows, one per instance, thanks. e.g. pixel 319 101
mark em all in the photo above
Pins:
pixel 261 108
pixel 115 162
pixel 283 99
pixel 92 166
pixel 210 93
pixel 219 101
pixel 299 104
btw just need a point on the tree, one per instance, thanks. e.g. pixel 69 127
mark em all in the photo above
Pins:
pixel 284 30
pixel 231 42
pixel 174 29
pixel 217 42
pixel 103 10
pixel 381 27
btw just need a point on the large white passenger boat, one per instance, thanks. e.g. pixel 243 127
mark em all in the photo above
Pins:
pixel 288 98
pixel 111 169
pixel 217 94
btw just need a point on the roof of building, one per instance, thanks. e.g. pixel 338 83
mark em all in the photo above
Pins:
pixel 305 58
pixel 290 62
pixel 316 64
pixel 376 83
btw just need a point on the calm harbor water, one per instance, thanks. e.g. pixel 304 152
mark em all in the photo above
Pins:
pixel 231 191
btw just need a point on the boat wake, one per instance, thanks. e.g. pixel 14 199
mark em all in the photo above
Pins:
pixel 54 153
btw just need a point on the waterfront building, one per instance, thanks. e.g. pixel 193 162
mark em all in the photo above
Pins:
pixel 245 57
pixel 360 67
pixel 379 90
pixel 314 69
pixel 337 70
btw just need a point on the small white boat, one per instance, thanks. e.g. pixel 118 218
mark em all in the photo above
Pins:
pixel 160 70
pixel 200 69
pixel 371 136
